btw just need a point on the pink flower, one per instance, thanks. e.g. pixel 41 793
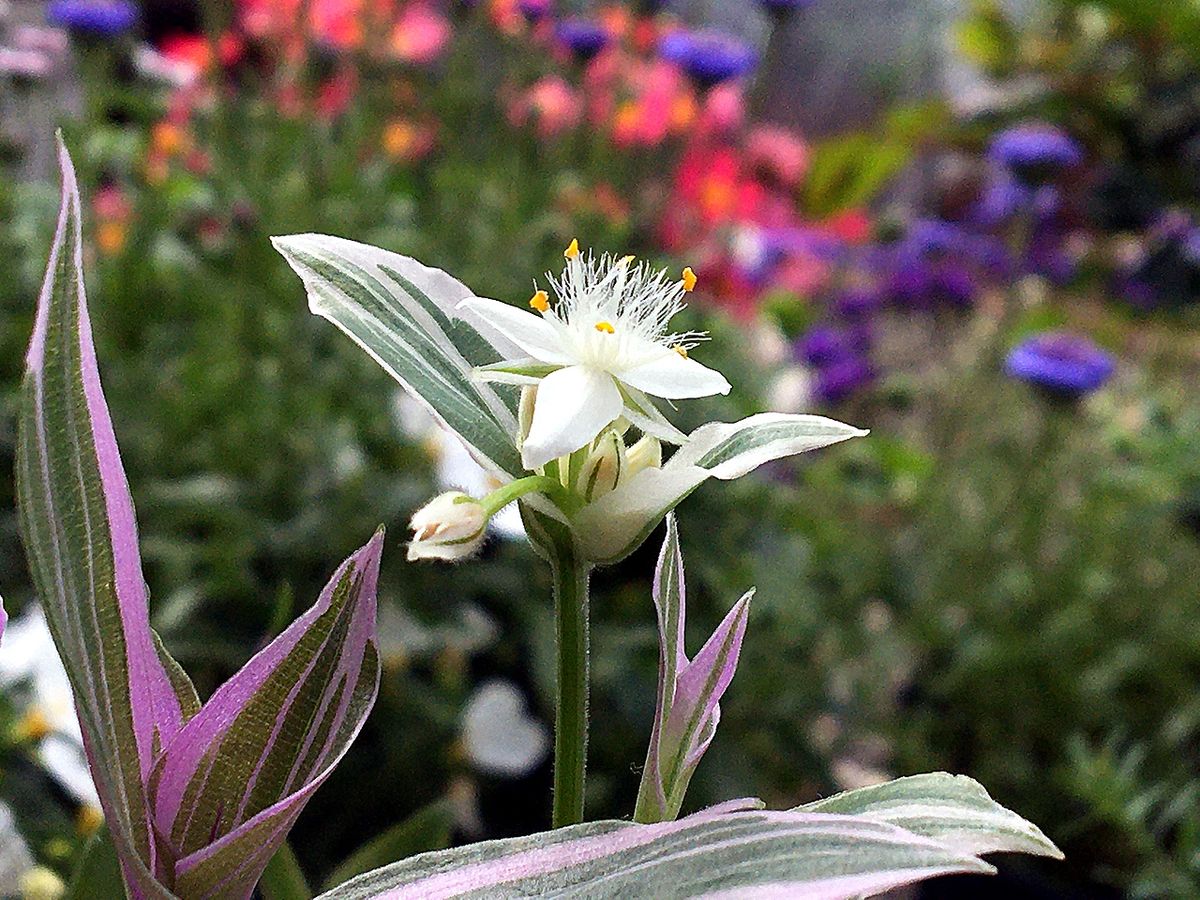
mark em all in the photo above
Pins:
pixel 552 104
pixel 724 110
pixel 778 153
pixel 421 34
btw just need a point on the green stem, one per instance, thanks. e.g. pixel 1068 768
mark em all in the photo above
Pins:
pixel 571 573
pixel 515 490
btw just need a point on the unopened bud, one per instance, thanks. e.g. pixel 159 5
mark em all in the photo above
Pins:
pixel 645 454
pixel 525 410
pixel 603 469
pixel 451 526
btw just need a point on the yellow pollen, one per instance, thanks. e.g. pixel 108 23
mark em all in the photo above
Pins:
pixel 689 279
pixel 626 260
pixel 681 350
pixel 605 327
pixel 540 301
pixel 572 251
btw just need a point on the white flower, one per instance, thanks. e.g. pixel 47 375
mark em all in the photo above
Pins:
pixel 597 353
pixel 499 736
pixel 29 655
pixel 451 526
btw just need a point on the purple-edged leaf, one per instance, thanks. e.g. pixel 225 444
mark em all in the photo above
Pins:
pixel 80 536
pixel 230 785
pixel 689 692
pixel 732 854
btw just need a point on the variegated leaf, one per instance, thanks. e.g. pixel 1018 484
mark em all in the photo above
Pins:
pixel 716 853
pixel 77 520
pixel 230 785
pixel 953 809
pixel 615 525
pixel 402 313
pixel 689 691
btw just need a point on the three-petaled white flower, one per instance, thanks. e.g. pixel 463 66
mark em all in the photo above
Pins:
pixel 598 352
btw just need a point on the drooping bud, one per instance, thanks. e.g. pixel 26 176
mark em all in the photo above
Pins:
pixel 604 468
pixel 645 454
pixel 451 526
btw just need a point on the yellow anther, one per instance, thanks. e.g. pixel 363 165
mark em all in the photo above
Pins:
pixel 689 279
pixel 605 327
pixel 573 250
pixel 626 260
pixel 540 301
pixel 681 350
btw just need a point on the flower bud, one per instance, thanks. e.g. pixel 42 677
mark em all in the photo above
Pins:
pixel 604 468
pixel 525 410
pixel 645 454
pixel 451 526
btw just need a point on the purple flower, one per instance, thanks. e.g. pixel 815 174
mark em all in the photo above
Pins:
pixel 103 18
pixel 535 10
pixel 843 378
pixel 709 57
pixel 856 304
pixel 1035 152
pixel 1064 364
pixel 583 37
pixel 823 345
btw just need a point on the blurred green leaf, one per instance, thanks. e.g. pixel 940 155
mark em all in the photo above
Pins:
pixel 98 875
pixel 427 829
pixel 283 878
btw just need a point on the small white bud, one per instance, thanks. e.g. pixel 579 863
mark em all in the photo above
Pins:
pixel 645 454
pixel 604 468
pixel 451 526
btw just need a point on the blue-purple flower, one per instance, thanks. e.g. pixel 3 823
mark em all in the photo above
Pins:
pixel 583 37
pixel 784 5
pixel 535 10
pixel 102 18
pixel 708 57
pixel 1064 364
pixel 1035 152
pixel 840 380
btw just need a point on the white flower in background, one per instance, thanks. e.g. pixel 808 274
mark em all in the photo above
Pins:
pixel 597 352
pixel 29 657
pixel 16 862
pixel 499 736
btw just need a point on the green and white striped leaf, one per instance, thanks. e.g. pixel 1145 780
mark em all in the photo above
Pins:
pixel 953 809
pixel 80 535
pixel 402 313
pixel 711 854
pixel 615 525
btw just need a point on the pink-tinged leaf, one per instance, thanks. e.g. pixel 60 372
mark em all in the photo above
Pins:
pixel 80 534
pixel 230 785
pixel 712 853
pixel 689 692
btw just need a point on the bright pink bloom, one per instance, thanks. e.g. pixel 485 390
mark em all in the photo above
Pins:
pixel 421 34
pixel 551 104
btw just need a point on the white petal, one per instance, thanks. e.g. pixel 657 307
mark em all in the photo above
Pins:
pixel 530 332
pixel 572 407
pixel 674 377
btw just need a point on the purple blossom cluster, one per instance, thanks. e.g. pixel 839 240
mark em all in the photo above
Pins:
pixel 1065 365
pixel 709 57
pixel 100 18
